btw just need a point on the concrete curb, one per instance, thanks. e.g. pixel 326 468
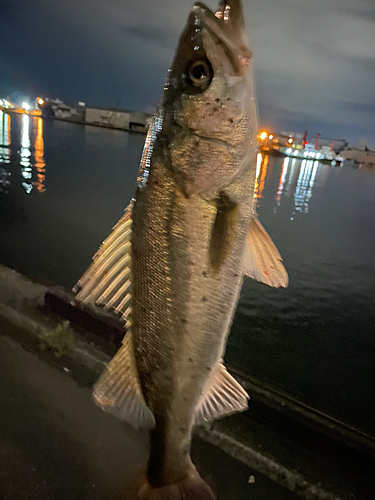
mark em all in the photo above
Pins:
pixel 288 478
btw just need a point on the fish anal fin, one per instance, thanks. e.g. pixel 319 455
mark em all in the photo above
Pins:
pixel 118 390
pixel 262 261
pixel 223 395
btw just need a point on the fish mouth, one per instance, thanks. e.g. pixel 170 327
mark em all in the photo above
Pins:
pixel 228 26
pixel 228 14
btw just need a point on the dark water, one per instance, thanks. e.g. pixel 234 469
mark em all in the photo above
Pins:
pixel 63 186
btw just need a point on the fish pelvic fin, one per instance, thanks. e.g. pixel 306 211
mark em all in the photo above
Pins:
pixel 262 260
pixel 222 396
pixel 107 282
pixel 118 390
pixel 190 488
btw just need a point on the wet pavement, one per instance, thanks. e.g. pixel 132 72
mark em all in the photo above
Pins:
pixel 56 444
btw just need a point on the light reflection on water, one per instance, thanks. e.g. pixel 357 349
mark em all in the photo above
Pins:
pixel 260 176
pixel 27 152
pixel 4 151
pixel 297 177
pixel 39 155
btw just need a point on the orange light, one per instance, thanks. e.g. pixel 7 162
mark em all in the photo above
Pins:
pixel 39 156
pixel 261 172
pixel 270 137
pixel 263 135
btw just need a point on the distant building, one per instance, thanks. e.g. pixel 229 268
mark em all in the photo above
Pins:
pixel 108 118
pixel 57 108
pixel 296 136
pixel 282 139
pixel 338 144
pixel 359 155
pixel 119 119
pixel 62 110
pixel 81 111
pixel 103 117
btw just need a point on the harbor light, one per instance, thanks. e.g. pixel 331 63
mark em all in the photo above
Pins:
pixel 40 101
pixel 25 106
pixel 263 135
pixel 270 137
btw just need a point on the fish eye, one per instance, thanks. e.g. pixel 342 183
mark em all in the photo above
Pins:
pixel 199 74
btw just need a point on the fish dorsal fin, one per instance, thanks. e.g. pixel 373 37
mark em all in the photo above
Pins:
pixel 262 260
pixel 223 395
pixel 118 390
pixel 107 282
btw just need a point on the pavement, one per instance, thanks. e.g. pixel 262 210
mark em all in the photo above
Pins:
pixel 55 443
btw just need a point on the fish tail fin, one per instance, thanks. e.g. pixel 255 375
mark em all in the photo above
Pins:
pixel 190 488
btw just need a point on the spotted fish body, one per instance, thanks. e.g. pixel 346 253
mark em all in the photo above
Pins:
pixel 183 302
pixel 174 264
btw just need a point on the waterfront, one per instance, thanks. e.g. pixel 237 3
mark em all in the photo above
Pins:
pixel 63 186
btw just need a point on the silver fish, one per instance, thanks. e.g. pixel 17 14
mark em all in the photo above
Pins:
pixel 173 266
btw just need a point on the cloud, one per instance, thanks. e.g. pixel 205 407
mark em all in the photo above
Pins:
pixel 150 34
pixel 313 61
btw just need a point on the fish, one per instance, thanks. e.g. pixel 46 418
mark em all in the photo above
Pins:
pixel 173 266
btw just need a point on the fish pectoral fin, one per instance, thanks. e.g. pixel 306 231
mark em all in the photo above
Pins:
pixel 262 260
pixel 222 396
pixel 223 233
pixel 118 390
pixel 107 282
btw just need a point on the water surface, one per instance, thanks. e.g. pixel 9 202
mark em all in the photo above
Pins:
pixel 63 186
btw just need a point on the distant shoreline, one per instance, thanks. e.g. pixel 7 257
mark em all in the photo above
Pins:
pixel 68 120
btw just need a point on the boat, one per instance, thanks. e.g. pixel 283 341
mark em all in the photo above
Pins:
pixel 323 154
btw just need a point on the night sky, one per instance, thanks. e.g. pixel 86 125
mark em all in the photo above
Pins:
pixel 314 60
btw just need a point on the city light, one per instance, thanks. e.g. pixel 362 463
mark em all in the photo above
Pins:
pixel 25 106
pixel 290 140
pixel 6 103
pixel 270 137
pixel 1 102
pixel 263 135
pixel 40 101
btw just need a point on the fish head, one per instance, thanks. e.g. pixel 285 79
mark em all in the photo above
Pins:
pixel 209 109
